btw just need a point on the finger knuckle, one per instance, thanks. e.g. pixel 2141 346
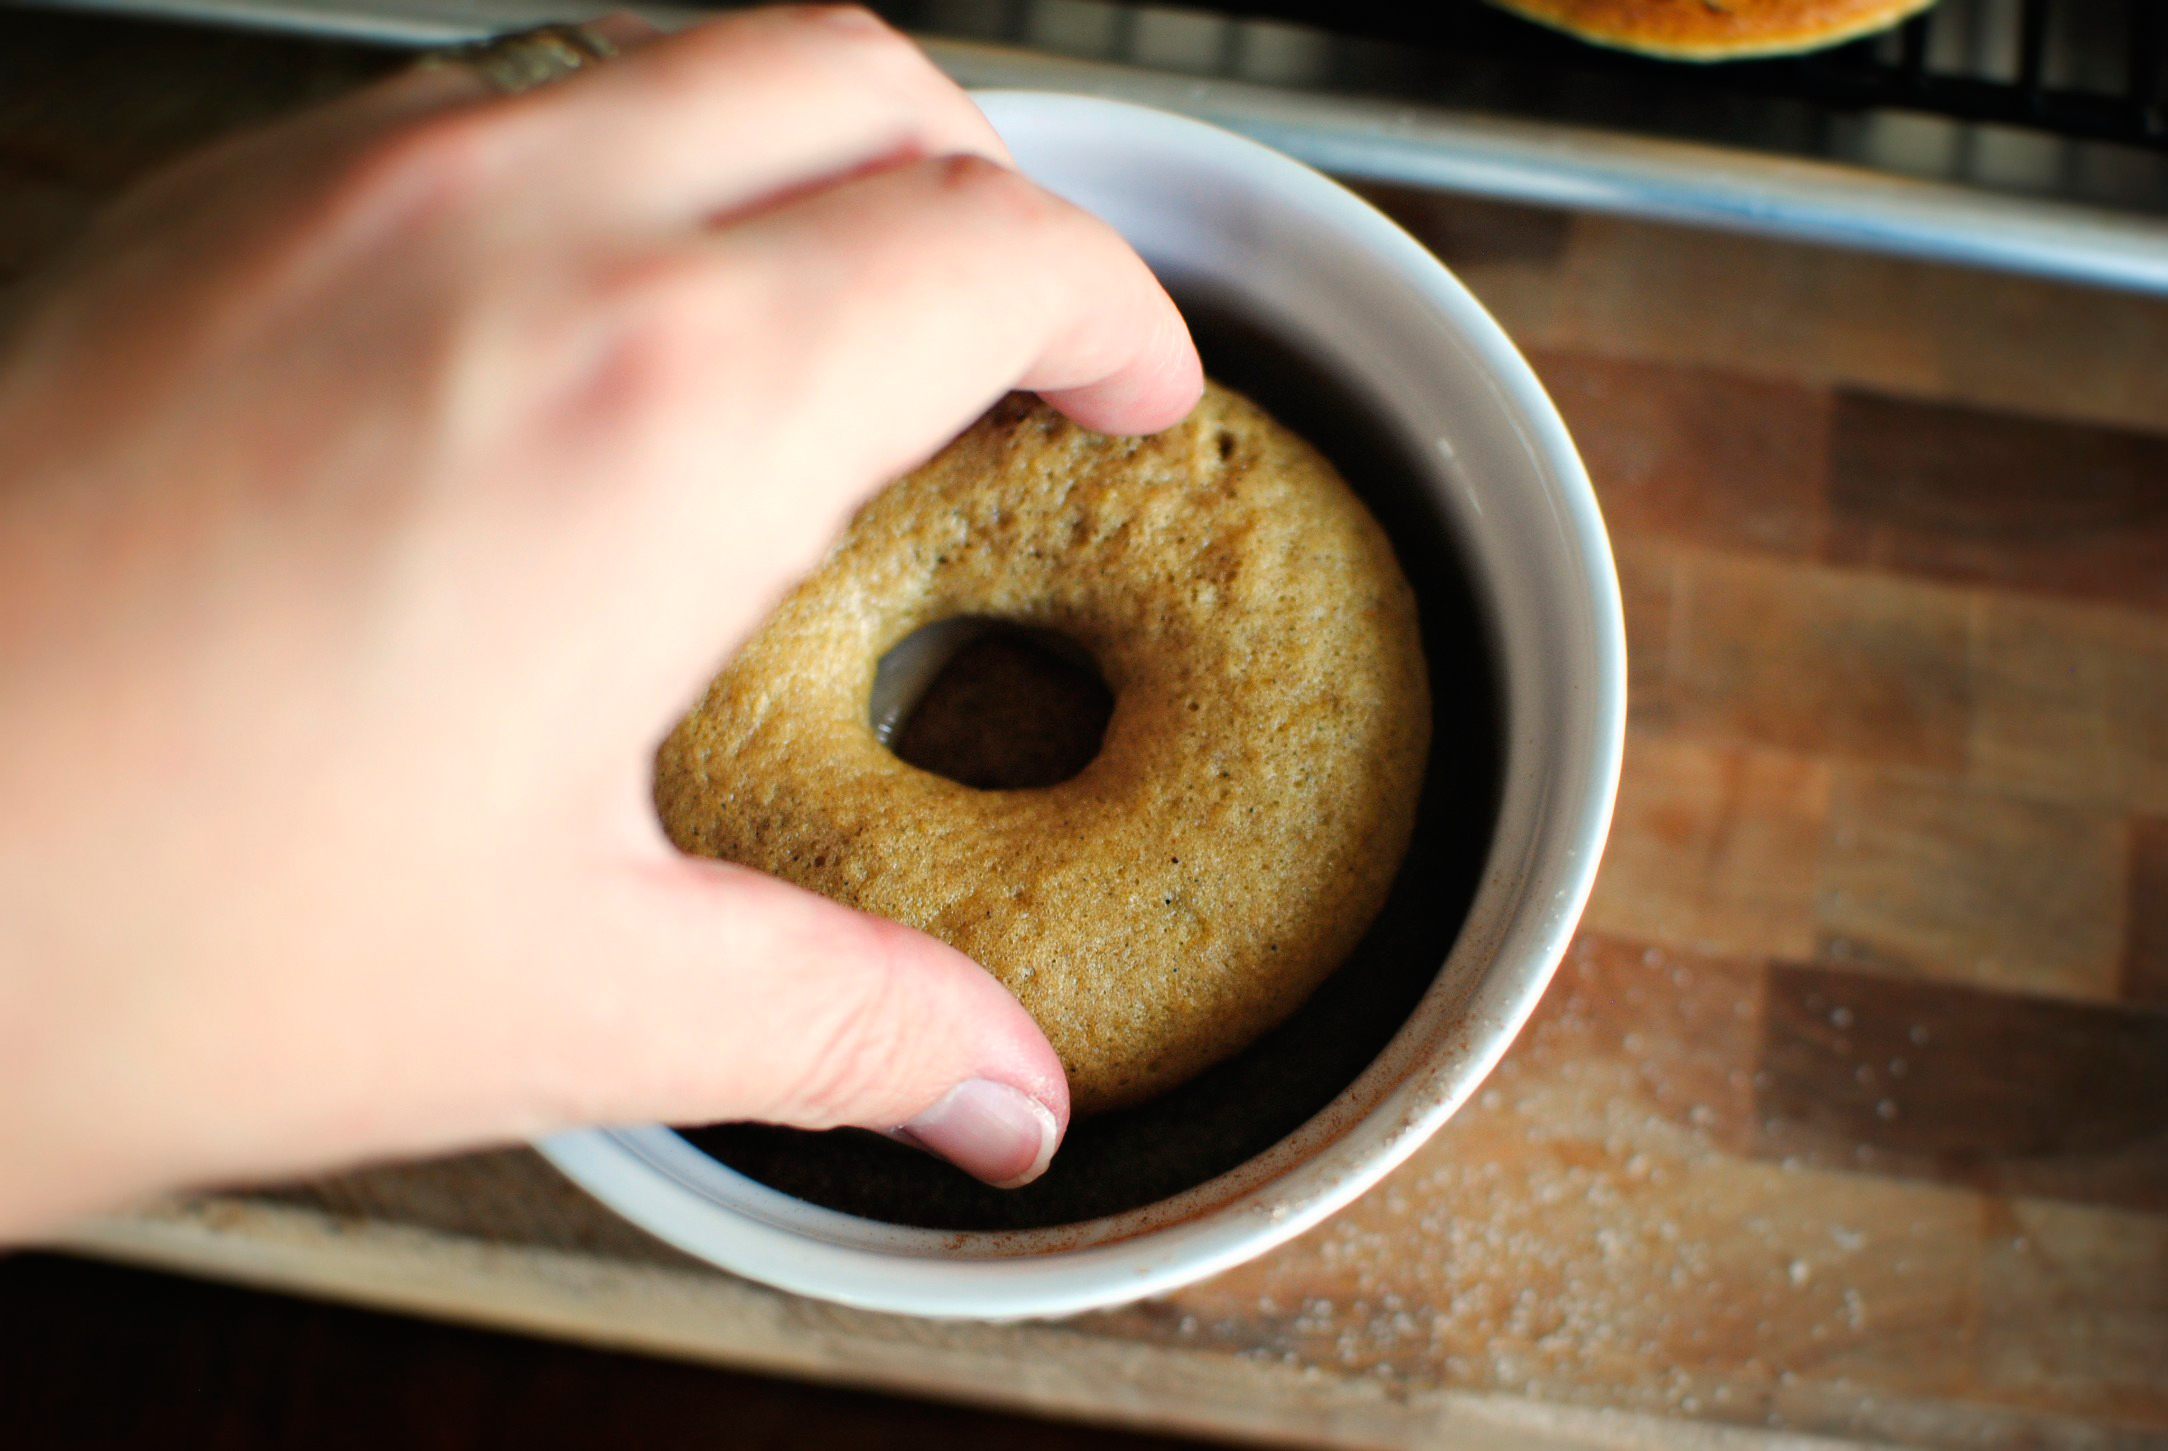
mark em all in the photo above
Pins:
pixel 993 194
pixel 843 24
pixel 863 1042
pixel 417 172
pixel 638 349
pixel 840 57
pixel 820 44
pixel 871 42
pixel 647 292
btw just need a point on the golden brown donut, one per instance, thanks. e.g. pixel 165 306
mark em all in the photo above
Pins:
pixel 1256 786
pixel 1716 29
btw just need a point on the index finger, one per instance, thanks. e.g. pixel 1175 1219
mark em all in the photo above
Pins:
pixel 839 339
pixel 906 303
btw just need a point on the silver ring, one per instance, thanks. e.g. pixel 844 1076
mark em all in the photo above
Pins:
pixel 529 58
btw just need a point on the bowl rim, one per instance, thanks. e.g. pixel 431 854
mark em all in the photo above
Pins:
pixel 657 1180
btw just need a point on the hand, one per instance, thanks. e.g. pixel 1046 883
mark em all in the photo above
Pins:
pixel 375 492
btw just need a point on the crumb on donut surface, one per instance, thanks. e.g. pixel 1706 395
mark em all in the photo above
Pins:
pixel 1257 784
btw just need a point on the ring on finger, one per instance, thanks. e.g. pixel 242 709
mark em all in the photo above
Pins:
pixel 526 59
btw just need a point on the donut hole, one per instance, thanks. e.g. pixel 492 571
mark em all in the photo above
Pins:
pixel 991 704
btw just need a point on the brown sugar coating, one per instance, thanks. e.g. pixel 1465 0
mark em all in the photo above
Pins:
pixel 1717 29
pixel 1257 782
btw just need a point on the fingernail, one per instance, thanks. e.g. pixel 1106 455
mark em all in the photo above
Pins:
pixel 990 1131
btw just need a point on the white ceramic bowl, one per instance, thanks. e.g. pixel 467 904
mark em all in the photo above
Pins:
pixel 1316 267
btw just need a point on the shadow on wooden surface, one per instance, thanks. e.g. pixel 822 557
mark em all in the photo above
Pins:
pixel 94 1356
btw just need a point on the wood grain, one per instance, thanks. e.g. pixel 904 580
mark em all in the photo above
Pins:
pixel 1926 1080
pixel 1838 664
pixel 1649 581
pixel 1699 454
pixel 1634 289
pixel 2145 929
pixel 1509 255
pixel 1927 875
pixel 2072 704
pixel 2103 1275
pixel 1714 847
pixel 2002 499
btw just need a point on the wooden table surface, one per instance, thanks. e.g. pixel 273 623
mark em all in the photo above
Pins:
pixel 1847 1115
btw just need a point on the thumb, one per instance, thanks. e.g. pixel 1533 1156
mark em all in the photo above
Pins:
pixel 743 997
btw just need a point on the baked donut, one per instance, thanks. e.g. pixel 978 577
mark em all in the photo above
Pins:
pixel 1256 785
pixel 1716 29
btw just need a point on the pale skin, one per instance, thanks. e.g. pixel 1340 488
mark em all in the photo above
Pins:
pixel 375 491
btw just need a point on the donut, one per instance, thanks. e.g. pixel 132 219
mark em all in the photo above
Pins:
pixel 1255 787
pixel 1709 30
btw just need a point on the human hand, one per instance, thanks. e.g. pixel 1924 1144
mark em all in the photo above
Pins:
pixel 375 492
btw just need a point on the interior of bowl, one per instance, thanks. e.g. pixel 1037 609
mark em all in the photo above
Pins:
pixel 1354 336
pixel 1234 1112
